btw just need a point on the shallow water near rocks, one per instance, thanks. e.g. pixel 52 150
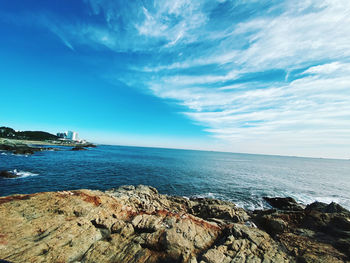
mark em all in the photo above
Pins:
pixel 241 178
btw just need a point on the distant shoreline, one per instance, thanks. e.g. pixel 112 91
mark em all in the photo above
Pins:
pixel 43 143
pixel 26 147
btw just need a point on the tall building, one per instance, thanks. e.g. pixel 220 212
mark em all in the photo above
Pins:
pixel 69 135
pixel 62 135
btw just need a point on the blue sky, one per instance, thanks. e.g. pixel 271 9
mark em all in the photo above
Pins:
pixel 250 76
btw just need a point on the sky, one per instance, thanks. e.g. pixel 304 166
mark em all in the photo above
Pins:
pixel 265 77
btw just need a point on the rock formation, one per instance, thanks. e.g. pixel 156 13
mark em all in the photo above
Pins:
pixel 25 149
pixel 8 174
pixel 79 148
pixel 136 224
pixel 21 148
pixel 18 148
pixel 318 233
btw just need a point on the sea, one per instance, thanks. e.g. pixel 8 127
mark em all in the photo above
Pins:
pixel 241 178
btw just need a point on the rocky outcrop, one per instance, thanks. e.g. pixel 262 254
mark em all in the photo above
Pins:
pixel 18 148
pixel 89 145
pixel 82 147
pixel 21 148
pixel 137 224
pixel 318 233
pixel 78 148
pixel 284 203
pixel 8 174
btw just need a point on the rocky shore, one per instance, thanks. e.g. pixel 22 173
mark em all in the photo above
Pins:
pixel 26 147
pixel 136 224
pixel 21 148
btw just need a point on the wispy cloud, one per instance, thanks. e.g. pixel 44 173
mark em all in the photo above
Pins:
pixel 252 73
pixel 58 32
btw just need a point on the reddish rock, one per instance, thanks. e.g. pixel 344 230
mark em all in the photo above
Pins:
pixel 136 224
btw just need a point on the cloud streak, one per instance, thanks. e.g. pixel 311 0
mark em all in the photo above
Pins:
pixel 263 77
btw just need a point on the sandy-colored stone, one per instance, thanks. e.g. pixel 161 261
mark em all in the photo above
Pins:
pixel 136 224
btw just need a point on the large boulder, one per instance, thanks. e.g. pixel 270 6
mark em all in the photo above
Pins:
pixel 284 203
pixel 327 208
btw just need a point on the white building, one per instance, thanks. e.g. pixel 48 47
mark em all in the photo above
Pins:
pixel 71 135
pixel 68 135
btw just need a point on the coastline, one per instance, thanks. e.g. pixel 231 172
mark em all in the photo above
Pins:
pixel 43 143
pixel 136 224
pixel 27 147
pixel 241 179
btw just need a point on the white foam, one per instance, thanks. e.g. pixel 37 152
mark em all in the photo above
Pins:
pixel 248 205
pixel 208 195
pixel 257 203
pixel 22 174
pixel 306 199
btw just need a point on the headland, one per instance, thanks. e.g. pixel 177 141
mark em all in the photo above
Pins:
pixel 29 142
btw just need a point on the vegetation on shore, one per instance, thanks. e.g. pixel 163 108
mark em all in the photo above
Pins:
pixel 9 133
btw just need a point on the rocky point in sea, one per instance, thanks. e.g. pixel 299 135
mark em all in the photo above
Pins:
pixel 137 224
pixel 8 174
pixel 19 148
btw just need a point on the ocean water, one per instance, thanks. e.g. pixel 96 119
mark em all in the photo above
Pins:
pixel 241 178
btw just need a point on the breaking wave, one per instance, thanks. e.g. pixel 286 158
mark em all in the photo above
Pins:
pixel 22 174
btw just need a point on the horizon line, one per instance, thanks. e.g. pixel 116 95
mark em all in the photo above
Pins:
pixel 218 151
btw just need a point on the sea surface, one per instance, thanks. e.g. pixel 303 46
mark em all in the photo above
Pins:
pixel 241 178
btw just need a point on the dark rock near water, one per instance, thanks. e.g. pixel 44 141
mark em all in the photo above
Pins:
pixel 326 208
pixel 8 174
pixel 24 149
pixel 284 203
pixel 318 233
pixel 316 206
pixel 89 145
pixel 18 148
pixel 78 148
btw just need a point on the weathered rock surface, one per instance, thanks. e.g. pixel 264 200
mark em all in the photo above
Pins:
pixel 318 233
pixel 136 224
pixel 284 203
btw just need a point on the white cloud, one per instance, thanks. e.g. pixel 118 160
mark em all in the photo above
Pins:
pixel 305 32
pixel 209 61
pixel 180 80
pixel 334 68
pixel 312 112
